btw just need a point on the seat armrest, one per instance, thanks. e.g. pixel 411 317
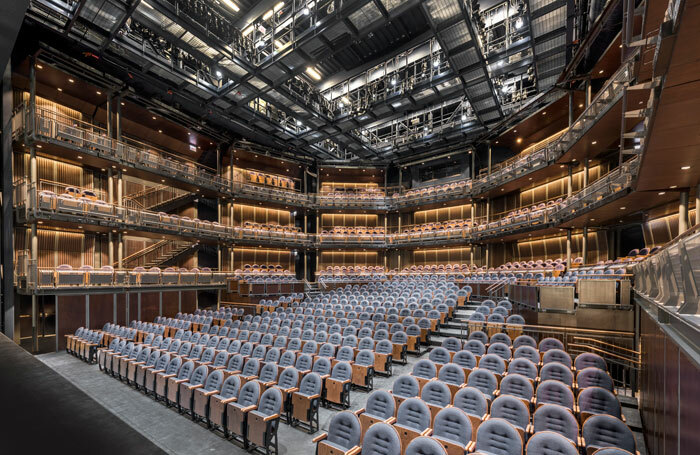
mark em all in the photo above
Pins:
pixel 471 446
pixel 249 408
pixel 354 451
pixel 198 386
pixel 229 400
pixel 320 437
pixel 272 417
pixel 169 376
pixel 359 411
pixel 210 393
pixel 427 432
pixel 391 420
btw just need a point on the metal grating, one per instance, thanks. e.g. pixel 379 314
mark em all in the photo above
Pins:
pixel 442 10
pixel 456 35
pixel 465 59
pixel 364 16
pixel 545 46
pixel 549 22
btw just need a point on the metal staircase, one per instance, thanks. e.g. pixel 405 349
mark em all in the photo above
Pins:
pixel 160 198
pixel 161 254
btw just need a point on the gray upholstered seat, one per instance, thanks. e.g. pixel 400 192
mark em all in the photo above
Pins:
pixel 493 363
pixel 611 451
pixel 381 439
pixel 518 386
pixel 464 359
pixel 479 336
pixel 304 362
pixel 512 409
pixel 524 340
pixel 322 366
pixel 527 352
pixel 502 350
pixel 475 346
pixel 436 393
pixel 380 405
pixel 552 417
pixel 424 445
pixel 405 386
pixel 327 350
pixel 498 437
pixel 259 352
pixel 342 371
pixel 524 367
pixel 557 355
pixel 555 392
pixel 311 385
pixel 248 395
pixel 472 401
pixel 251 368
pixel 288 379
pixel 501 338
pixel 424 368
pixel 452 373
pixel 452 426
pixel 588 359
pixel 272 356
pixel 602 430
pixel 550 443
pixel 439 355
pixel 597 400
pixel 558 372
pixel 413 414
pixel 550 343
pixel 235 363
pixel 344 432
pixel 345 354
pixel 270 403
pixel 268 373
pixel 452 344
pixel 483 380
pixel 594 377
pixel 287 359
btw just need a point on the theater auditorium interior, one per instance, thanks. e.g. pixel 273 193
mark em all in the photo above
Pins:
pixel 350 227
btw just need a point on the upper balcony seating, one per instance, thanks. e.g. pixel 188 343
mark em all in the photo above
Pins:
pixel 87 276
pixel 269 230
pixel 353 234
pixel 352 273
pixel 254 177
pixel 351 196
pixel 444 189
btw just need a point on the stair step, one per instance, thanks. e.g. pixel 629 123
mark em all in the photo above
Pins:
pixel 632 151
pixel 637 113
pixel 646 85
pixel 634 135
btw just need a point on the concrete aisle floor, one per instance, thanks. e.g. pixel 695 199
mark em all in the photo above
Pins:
pixel 177 434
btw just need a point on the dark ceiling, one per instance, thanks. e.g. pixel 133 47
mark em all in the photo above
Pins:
pixel 363 81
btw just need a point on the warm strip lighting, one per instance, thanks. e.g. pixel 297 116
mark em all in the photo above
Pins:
pixel 311 71
pixel 278 44
pixel 268 15
pixel 231 5
pixel 246 31
pixel 278 6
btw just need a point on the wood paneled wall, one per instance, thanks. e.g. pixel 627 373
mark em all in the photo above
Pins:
pixel 243 256
pixel 441 256
pixel 346 258
pixel 256 214
pixel 555 247
pixel 669 399
pixel 329 220
pixel 459 212
pixel 56 248
pixel 662 230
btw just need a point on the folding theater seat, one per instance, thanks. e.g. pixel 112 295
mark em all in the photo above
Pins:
pixel 473 403
pixel 466 360
pixel 554 392
pixel 132 366
pixel 597 400
pixel 383 354
pixel 557 419
pixel 604 431
pixel 557 355
pixel 305 402
pixel 425 446
pixel 268 376
pixel 550 343
pixel 484 381
pixel 550 443
pixel 412 420
pixel 171 392
pixel 250 372
pixel 453 376
pixel 439 356
pixel 405 387
pixel 513 410
pixel 151 363
pixel 263 422
pixel 216 409
pixel 453 430
pixel 529 353
pixel 186 393
pixel 437 396
pixel 502 350
pixel 594 377
pixel 237 411
pixel 120 362
pixel 380 407
pixel 557 372
pixel 338 385
pixel 524 340
pixel 497 436
pixel 363 370
pixel 343 437
pixel 494 364
pixel 424 370
pixel 588 359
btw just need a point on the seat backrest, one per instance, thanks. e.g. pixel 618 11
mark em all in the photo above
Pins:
pixel 304 362
pixel 557 355
pixel 381 439
pixel 424 445
pixel 527 352
pixel 453 425
pixel 173 366
pixel 511 409
pixel 558 372
pixel 518 386
pixel 345 354
pixel 472 401
pixel 270 402
pixel 424 368
pixel 414 413
pixel 552 417
pixel 322 366
pixel 502 350
pixel 272 356
pixel 406 386
pixel 588 359
pixel 493 362
pixel 607 431
pixel 186 370
pixel 288 378
pixel 436 393
pixel 342 371
pixel 251 367
pixel 365 358
pixel 597 400
pixel 594 377
pixel 230 387
pixel 345 430
pixel 550 343
pixel 380 404
pixel 249 394
pixel 483 380
pixel 498 436
pixel 556 392
pixel 452 373
pixel 475 346
pixel 384 347
pixel 268 373
pixel 550 443
pixel 311 385
pixel 439 355
pixel 452 344
pixel 524 340
pixel 464 359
